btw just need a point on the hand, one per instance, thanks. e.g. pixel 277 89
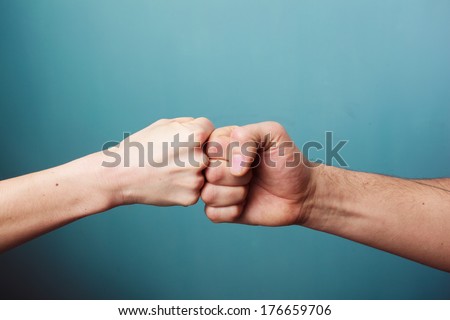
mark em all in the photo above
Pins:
pixel 275 193
pixel 152 171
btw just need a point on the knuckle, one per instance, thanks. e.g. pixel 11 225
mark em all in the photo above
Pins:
pixel 201 160
pixel 201 135
pixel 214 148
pixel 205 161
pixel 212 214
pixel 208 193
pixel 174 125
pixel 235 212
pixel 214 174
pixel 205 121
pixel 190 199
pixel 238 134
pixel 199 182
pixel 275 126
pixel 242 193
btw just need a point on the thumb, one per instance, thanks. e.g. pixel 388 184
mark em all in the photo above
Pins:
pixel 251 141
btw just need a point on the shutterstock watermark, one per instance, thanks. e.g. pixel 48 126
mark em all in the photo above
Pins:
pixel 182 153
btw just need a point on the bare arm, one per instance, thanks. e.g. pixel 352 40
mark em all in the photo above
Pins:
pixel 39 202
pixel 410 218
pixel 36 203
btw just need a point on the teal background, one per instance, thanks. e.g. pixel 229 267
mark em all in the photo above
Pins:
pixel 75 74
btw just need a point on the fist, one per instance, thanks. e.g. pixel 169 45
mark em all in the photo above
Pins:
pixel 256 176
pixel 162 164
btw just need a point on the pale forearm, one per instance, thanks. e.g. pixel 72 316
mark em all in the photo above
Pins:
pixel 40 202
pixel 405 217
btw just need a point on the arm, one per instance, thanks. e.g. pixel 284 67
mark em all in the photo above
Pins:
pixel 405 217
pixel 37 203
pixel 410 218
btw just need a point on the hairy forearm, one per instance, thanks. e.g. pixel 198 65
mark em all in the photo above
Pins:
pixel 36 203
pixel 441 183
pixel 410 218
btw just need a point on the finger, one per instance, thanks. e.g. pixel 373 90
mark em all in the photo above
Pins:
pixel 203 160
pixel 224 214
pixel 251 138
pixel 223 131
pixel 192 158
pixel 202 129
pixel 206 125
pixel 218 172
pixel 219 148
pixel 223 196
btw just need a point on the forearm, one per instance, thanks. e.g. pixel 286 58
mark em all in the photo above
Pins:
pixel 441 183
pixel 40 202
pixel 410 218
pixel 36 203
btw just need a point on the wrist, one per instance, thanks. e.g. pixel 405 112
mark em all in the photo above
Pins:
pixel 325 198
pixel 341 204
pixel 102 182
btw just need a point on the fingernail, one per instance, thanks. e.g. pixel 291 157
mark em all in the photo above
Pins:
pixel 236 163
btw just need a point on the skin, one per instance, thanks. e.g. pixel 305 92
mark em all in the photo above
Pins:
pixel 409 218
pixel 37 203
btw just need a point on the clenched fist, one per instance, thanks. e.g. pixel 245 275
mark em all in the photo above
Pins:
pixel 256 176
pixel 162 164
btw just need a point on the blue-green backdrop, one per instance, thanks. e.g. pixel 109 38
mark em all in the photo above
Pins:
pixel 74 74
